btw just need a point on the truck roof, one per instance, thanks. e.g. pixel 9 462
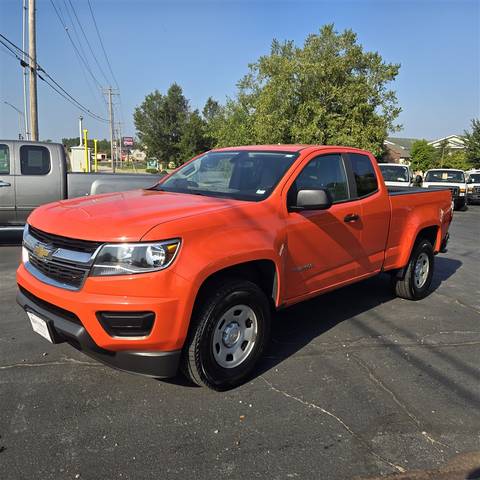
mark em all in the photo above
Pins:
pixel 32 142
pixel 286 148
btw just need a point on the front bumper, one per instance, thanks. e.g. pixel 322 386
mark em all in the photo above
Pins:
pixel 66 327
pixel 473 196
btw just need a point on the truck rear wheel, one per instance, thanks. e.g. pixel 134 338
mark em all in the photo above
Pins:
pixel 417 278
pixel 228 334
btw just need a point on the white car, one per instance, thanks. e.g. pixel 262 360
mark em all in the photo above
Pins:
pixel 473 186
pixel 451 178
pixel 396 175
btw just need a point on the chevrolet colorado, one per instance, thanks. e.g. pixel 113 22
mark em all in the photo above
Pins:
pixel 187 274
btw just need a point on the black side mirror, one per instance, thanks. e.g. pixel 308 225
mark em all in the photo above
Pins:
pixel 418 180
pixel 313 200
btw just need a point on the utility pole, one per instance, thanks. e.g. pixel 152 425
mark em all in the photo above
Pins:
pixel 20 114
pixel 109 92
pixel 32 51
pixel 25 73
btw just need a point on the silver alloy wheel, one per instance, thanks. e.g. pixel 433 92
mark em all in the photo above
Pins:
pixel 234 336
pixel 422 267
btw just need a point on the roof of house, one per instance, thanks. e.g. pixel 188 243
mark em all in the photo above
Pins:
pixel 405 143
pixel 455 137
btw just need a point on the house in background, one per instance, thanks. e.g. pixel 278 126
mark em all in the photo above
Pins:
pixel 397 150
pixel 452 142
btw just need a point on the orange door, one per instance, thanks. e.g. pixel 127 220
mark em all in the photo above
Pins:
pixel 323 246
pixel 375 211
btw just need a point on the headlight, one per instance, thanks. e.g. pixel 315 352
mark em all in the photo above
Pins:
pixel 462 189
pixel 129 258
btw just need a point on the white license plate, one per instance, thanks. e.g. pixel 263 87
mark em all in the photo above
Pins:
pixel 40 326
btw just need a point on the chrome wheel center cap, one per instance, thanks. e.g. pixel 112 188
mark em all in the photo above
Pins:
pixel 231 334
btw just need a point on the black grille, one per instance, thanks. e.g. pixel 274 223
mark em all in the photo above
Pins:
pixel 455 191
pixel 64 242
pixel 60 272
pixel 476 189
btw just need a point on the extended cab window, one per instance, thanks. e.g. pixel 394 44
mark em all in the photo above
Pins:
pixel 364 174
pixel 34 160
pixel 323 172
pixel 4 159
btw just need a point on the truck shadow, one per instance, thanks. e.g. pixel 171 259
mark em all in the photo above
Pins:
pixel 295 327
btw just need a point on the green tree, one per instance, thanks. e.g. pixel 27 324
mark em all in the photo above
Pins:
pixel 160 122
pixel 443 153
pixel 212 114
pixel 103 146
pixel 472 143
pixel 330 91
pixel 194 137
pixel 457 159
pixel 424 156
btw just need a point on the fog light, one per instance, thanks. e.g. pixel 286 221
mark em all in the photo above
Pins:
pixel 127 324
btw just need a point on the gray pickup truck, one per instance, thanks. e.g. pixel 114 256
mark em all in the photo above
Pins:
pixel 34 173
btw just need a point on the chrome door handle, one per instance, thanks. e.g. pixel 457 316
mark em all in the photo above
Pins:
pixel 5 184
pixel 351 217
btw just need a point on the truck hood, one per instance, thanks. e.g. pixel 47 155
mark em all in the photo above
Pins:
pixel 121 217
pixel 443 184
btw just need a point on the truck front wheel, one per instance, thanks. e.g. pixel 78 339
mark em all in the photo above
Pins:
pixel 417 278
pixel 228 334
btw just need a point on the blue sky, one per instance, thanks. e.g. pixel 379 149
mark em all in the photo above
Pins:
pixel 205 46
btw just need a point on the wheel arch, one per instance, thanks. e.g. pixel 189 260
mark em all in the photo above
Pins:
pixel 262 272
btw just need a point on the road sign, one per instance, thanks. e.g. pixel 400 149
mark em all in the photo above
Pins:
pixel 127 141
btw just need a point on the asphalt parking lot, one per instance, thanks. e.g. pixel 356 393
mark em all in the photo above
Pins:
pixel 356 384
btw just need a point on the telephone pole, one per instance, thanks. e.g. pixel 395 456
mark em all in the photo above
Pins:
pixel 32 51
pixel 109 92
pixel 25 73
pixel 20 114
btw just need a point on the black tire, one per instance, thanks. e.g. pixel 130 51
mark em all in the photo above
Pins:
pixel 460 204
pixel 407 286
pixel 199 363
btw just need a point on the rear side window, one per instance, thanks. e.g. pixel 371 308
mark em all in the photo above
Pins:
pixel 34 160
pixel 4 159
pixel 324 172
pixel 364 174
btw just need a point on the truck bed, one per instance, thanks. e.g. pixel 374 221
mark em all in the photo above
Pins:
pixel 80 184
pixel 392 191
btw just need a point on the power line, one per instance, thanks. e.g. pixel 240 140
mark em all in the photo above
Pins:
pixel 47 78
pixel 101 44
pixel 87 41
pixel 94 92
pixel 74 46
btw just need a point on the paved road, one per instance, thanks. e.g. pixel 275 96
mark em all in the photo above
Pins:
pixel 355 384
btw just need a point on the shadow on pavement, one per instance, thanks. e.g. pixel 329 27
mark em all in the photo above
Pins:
pixel 297 326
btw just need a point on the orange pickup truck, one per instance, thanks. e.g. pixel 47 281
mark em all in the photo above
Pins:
pixel 187 274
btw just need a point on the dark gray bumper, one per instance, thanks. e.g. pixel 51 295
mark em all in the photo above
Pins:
pixel 66 328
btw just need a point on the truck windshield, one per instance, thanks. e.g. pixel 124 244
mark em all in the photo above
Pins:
pixel 474 178
pixel 241 175
pixel 395 173
pixel 445 176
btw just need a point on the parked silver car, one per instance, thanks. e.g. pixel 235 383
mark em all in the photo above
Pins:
pixel 34 173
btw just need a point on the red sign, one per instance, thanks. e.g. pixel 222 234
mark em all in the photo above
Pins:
pixel 127 141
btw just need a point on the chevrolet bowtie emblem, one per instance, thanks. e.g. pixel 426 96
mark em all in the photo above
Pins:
pixel 40 251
